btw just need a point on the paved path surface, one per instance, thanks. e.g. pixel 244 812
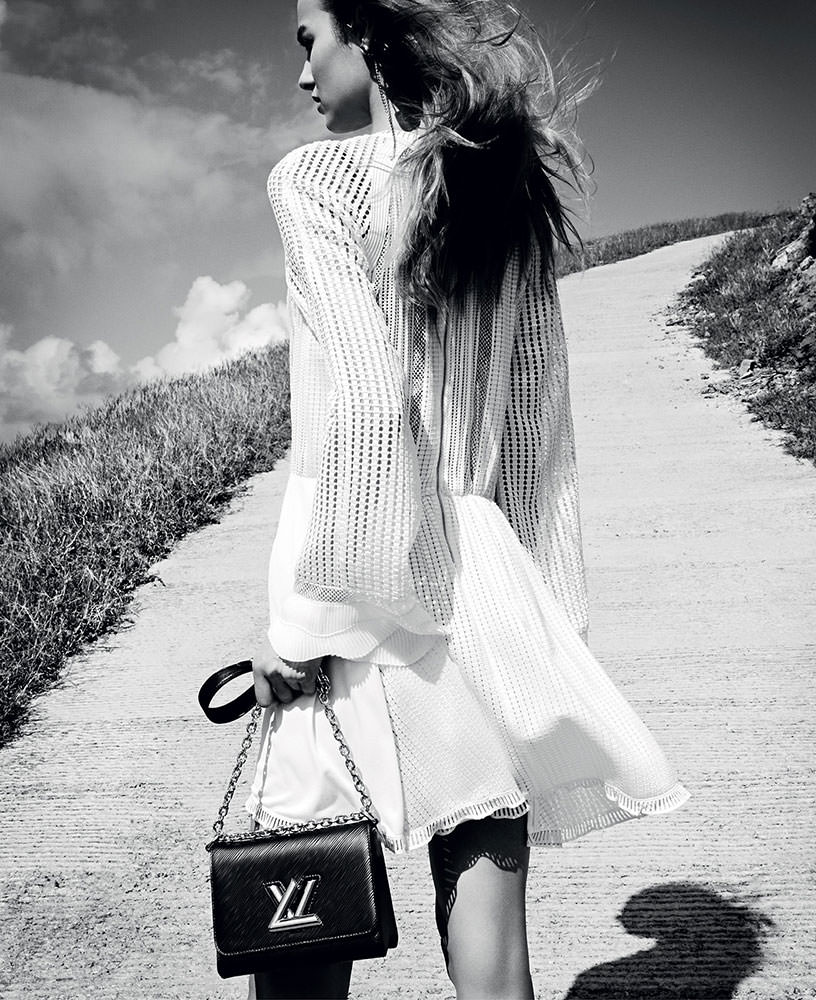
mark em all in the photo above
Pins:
pixel 701 552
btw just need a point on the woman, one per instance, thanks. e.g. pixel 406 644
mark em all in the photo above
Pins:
pixel 429 551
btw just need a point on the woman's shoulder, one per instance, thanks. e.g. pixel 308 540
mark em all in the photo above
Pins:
pixel 333 167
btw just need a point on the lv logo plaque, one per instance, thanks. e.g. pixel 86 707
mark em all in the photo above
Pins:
pixel 289 915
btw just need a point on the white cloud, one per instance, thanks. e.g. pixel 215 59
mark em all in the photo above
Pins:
pixel 217 79
pixel 215 325
pixel 102 359
pixel 102 195
pixel 51 379
pixel 222 68
pixel 85 171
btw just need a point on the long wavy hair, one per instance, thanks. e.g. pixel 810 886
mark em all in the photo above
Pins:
pixel 497 137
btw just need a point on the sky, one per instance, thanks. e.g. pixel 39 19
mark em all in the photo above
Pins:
pixel 136 136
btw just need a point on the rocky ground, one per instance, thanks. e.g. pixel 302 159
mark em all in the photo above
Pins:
pixel 701 555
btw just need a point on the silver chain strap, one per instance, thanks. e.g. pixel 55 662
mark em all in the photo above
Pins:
pixel 323 688
pixel 246 743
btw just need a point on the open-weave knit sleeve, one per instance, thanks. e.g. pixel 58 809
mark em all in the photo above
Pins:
pixel 353 581
pixel 538 481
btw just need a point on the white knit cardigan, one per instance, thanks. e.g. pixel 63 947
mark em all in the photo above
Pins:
pixel 429 532
pixel 404 430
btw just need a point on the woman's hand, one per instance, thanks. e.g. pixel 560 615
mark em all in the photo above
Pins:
pixel 278 680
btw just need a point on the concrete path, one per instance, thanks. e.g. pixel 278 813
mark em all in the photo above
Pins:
pixel 701 554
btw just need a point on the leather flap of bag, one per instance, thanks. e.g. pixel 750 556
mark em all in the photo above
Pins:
pixel 317 885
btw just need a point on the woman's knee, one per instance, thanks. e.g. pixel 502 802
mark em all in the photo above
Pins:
pixel 488 962
pixel 487 935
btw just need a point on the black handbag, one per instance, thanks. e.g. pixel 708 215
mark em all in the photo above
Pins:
pixel 315 891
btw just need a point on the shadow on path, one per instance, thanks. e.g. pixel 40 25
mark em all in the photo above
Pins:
pixel 705 945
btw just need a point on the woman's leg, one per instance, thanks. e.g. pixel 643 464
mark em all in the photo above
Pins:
pixel 480 874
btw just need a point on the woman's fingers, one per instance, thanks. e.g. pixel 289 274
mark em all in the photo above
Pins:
pixel 271 689
pixel 308 686
pixel 281 689
pixel 308 671
pixel 263 689
pixel 279 680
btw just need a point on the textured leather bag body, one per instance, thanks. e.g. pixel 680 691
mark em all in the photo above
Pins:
pixel 312 891
pixel 321 894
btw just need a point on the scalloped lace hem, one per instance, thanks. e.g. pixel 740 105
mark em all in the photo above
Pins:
pixel 510 806
pixel 626 807
pixel 507 806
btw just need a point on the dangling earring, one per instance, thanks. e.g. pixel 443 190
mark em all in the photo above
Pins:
pixel 365 48
pixel 378 79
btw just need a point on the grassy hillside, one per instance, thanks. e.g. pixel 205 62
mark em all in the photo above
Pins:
pixel 634 242
pixel 88 506
pixel 745 316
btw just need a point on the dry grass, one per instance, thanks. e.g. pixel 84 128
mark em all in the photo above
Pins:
pixel 739 309
pixel 634 242
pixel 88 506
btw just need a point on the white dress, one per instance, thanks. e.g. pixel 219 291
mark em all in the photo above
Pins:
pixel 429 542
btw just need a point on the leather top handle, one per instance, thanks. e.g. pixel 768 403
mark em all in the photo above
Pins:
pixel 233 709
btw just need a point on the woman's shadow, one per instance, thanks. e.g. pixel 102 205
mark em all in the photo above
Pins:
pixel 705 945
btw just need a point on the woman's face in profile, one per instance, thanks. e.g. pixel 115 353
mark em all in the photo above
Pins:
pixel 334 74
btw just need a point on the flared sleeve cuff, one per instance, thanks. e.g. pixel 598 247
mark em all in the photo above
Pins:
pixel 303 629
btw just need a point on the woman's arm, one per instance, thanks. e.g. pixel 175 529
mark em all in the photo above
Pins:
pixel 538 481
pixel 353 582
